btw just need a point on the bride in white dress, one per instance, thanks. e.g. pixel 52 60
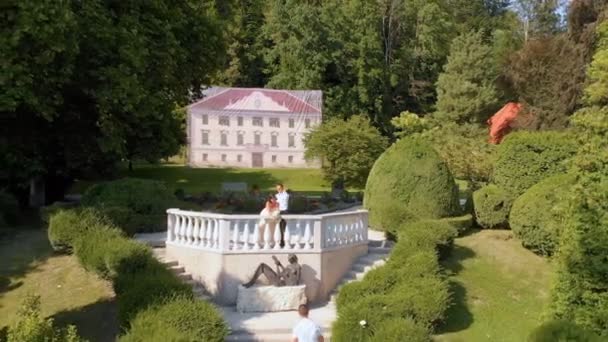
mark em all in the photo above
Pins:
pixel 269 217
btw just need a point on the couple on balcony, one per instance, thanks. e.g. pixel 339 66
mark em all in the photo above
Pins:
pixel 275 206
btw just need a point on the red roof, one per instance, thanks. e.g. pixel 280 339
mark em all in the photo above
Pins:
pixel 500 123
pixel 294 101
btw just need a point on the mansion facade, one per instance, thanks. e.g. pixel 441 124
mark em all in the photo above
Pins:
pixel 252 127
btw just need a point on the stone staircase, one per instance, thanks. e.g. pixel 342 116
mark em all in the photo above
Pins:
pixel 198 289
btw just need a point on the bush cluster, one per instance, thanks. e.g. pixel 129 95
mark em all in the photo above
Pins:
pixel 561 330
pixel 139 280
pixel 537 216
pixel 408 182
pixel 525 158
pixel 404 298
pixel 492 205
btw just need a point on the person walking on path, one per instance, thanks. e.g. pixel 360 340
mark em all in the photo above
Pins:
pixel 283 198
pixel 306 330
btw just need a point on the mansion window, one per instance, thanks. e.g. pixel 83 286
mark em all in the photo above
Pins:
pixel 223 157
pixel 257 138
pixel 204 156
pixel 274 159
pixel 292 140
pixel 240 139
pixel 224 139
pixel 239 121
pixel 224 120
pixel 239 158
pixel 292 123
pixel 205 119
pixel 290 159
pixel 257 121
pixel 273 140
pixel 274 122
pixel 205 137
pixel 307 123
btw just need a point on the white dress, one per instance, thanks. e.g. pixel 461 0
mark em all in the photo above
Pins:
pixel 270 218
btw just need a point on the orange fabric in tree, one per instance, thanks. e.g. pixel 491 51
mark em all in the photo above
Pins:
pixel 500 123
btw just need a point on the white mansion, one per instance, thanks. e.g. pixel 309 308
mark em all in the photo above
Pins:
pixel 252 127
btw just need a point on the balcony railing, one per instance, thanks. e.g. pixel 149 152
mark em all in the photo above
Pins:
pixel 223 233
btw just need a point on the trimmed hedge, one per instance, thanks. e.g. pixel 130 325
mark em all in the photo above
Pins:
pixel 409 181
pixel 525 158
pixel 492 206
pixel 409 288
pixel 535 217
pixel 561 330
pixel 177 319
pixel 140 281
pixel 461 223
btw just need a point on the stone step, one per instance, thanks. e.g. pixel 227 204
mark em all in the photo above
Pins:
pixel 367 267
pixel 169 263
pixel 379 250
pixel 185 276
pixel 176 269
pixel 370 259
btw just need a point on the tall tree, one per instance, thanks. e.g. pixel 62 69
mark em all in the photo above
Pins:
pixel 467 87
pixel 112 74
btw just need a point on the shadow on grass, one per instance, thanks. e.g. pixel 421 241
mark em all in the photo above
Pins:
pixel 95 322
pixel 458 316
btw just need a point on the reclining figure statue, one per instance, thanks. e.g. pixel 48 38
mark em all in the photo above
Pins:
pixel 284 276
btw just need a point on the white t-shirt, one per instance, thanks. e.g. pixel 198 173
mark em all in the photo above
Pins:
pixel 307 331
pixel 283 199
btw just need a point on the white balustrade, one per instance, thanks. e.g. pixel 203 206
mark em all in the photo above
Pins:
pixel 246 234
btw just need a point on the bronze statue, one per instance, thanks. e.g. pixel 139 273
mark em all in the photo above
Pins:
pixel 284 276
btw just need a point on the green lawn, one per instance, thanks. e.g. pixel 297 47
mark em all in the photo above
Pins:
pixel 500 289
pixel 68 293
pixel 195 180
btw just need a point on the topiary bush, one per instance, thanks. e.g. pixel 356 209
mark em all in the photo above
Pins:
pixel 401 329
pixel 409 181
pixel 427 235
pixel 66 226
pixel 461 223
pixel 178 319
pixel 537 216
pixel 48 211
pixel 561 330
pixel 525 158
pixel 9 208
pixel 492 206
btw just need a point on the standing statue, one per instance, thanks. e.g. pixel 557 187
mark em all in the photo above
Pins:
pixel 284 276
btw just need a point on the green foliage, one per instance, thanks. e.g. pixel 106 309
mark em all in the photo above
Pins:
pixel 298 204
pixel 32 327
pixel 492 206
pixel 409 123
pixel 48 211
pixel 466 90
pixel 9 208
pixel 409 288
pixel 460 223
pixel 525 158
pixel 401 329
pixel 178 319
pixel 409 181
pixel 536 217
pixel 348 149
pixel 143 196
pixel 596 92
pixel 67 226
pixel 561 331
pixel 128 94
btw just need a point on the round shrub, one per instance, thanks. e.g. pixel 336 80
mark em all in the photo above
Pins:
pixel 143 196
pixel 561 330
pixel 92 247
pixel 492 206
pixel 409 181
pixel 178 319
pixel 525 158
pixel 401 329
pixel 66 226
pixel 9 208
pixel 535 217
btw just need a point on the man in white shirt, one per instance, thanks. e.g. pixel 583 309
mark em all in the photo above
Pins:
pixel 283 198
pixel 306 330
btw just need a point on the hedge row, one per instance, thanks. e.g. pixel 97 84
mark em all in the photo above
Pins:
pixel 143 286
pixel 404 299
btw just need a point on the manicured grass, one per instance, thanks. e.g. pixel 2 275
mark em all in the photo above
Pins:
pixel 195 180
pixel 500 289
pixel 67 292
